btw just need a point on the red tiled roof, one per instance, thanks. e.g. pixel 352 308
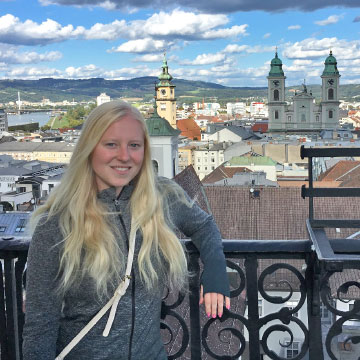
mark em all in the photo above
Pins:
pixel 338 170
pixel 189 128
pixel 262 127
pixel 222 172
pixel 278 213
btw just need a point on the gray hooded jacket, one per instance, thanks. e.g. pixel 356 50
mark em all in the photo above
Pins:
pixel 51 321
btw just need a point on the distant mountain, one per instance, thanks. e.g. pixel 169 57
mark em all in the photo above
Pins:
pixel 143 87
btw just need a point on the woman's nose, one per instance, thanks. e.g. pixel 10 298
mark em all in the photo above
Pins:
pixel 123 153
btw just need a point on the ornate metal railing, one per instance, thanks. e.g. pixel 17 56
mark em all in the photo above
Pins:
pixel 242 330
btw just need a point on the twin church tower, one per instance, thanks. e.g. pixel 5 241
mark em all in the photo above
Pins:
pixel 303 115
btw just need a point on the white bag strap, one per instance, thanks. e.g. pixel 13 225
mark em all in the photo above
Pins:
pixel 112 303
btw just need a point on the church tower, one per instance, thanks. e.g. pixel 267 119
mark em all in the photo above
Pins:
pixel 165 95
pixel 276 95
pixel 330 93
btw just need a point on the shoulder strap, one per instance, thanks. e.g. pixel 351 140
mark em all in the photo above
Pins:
pixel 112 303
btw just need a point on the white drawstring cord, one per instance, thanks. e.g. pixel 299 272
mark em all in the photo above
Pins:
pixel 112 303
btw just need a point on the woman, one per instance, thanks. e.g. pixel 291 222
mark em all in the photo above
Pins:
pixel 108 204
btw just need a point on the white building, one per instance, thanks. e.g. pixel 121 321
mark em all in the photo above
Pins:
pixel 258 110
pixel 102 98
pixel 205 160
pixel 236 108
pixel 303 115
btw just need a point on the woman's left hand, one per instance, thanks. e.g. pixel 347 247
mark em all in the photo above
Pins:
pixel 214 303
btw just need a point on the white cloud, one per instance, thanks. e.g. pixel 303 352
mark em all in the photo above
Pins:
pixel 235 49
pixel 91 71
pixel 267 35
pixel 206 59
pixel 142 46
pixel 238 49
pixel 12 55
pixel 177 24
pixel 294 27
pixel 111 31
pixel 32 73
pixel 149 58
pixel 234 31
pixel 13 31
pixel 319 49
pixel 332 19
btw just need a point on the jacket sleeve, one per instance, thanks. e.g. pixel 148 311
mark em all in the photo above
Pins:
pixel 43 304
pixel 198 225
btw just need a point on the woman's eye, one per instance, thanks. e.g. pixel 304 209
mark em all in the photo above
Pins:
pixel 134 145
pixel 110 144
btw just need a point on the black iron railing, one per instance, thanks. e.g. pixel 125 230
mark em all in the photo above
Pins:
pixel 242 330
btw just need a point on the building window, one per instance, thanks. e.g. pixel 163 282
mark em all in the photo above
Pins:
pixel 330 114
pixel 199 160
pixel 212 159
pixel 317 118
pixel 2 229
pixel 276 114
pixel 21 226
pixel 205 168
pixel 331 94
pixel 213 168
pixel 303 118
pixel 276 95
pixel 289 118
pixel 292 349
pixel 198 167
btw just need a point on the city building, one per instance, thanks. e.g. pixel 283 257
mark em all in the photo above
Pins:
pixel 54 152
pixel 303 115
pixel 102 99
pixel 3 121
pixel 165 96
pixel 207 158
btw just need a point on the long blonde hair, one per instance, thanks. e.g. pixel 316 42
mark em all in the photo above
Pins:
pixel 90 246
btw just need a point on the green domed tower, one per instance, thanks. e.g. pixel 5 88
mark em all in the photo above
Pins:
pixel 165 95
pixel 276 94
pixel 330 93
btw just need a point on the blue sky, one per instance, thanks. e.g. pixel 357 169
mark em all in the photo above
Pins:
pixel 230 42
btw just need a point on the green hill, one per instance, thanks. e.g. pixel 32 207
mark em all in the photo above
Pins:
pixel 143 87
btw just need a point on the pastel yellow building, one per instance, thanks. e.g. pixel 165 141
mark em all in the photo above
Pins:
pixel 56 152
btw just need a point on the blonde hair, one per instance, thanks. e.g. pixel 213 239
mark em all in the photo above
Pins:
pixel 89 243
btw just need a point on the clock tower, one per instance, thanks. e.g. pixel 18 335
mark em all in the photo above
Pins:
pixel 165 96
pixel 276 95
pixel 330 93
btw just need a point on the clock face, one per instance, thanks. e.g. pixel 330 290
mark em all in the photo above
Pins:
pixel 276 82
pixel 163 92
pixel 331 81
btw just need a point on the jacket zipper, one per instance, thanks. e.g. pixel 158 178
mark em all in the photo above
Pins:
pixel 132 286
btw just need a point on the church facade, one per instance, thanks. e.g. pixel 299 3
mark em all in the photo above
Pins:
pixel 303 115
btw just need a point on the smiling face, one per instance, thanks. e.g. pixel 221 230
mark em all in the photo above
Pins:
pixel 118 156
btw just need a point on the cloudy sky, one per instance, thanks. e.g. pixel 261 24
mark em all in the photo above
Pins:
pixel 230 42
